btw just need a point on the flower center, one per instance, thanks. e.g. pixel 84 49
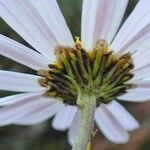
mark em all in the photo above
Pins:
pixel 100 72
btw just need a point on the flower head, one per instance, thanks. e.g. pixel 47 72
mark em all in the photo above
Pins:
pixel 108 63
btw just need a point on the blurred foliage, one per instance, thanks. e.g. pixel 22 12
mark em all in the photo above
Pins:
pixel 43 137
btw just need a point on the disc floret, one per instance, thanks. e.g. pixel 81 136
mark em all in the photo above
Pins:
pixel 99 72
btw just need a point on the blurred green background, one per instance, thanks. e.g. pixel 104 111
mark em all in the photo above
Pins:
pixel 43 137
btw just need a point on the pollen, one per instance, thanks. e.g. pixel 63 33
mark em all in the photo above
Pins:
pixel 99 71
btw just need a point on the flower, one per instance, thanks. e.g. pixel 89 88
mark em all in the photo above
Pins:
pixel 42 25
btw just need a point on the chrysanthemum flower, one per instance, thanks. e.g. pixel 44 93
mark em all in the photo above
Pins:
pixel 105 66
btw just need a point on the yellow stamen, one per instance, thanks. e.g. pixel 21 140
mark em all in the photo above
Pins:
pixel 78 42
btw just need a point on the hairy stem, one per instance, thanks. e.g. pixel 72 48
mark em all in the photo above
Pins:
pixel 87 105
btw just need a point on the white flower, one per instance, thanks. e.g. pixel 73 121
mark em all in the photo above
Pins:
pixel 42 25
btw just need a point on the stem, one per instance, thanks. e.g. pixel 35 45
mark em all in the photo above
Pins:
pixel 88 106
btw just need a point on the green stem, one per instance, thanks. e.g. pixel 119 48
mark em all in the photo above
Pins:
pixel 87 105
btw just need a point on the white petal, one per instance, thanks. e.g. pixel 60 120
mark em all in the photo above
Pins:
pixel 139 47
pixel 73 130
pixel 40 113
pixel 144 55
pixel 28 105
pixel 136 95
pixel 51 14
pixel 142 72
pixel 64 118
pixel 28 23
pixel 13 81
pixel 16 98
pixel 122 116
pixel 141 83
pixel 139 18
pixel 139 42
pixel 109 126
pixel 101 20
pixel 22 54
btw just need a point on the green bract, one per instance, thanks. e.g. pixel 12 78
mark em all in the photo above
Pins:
pixel 99 72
